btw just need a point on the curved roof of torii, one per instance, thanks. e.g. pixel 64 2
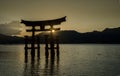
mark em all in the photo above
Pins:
pixel 45 22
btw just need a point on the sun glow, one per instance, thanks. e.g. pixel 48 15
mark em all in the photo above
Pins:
pixel 53 31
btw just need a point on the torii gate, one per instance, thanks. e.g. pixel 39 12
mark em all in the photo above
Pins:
pixel 42 25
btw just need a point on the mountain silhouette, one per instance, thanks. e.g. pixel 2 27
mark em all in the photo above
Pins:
pixel 4 39
pixel 107 36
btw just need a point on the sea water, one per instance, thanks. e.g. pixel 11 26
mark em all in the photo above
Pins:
pixel 74 60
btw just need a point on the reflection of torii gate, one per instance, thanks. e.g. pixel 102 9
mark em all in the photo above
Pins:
pixel 42 25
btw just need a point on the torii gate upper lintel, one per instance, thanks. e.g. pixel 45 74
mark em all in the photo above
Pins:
pixel 44 22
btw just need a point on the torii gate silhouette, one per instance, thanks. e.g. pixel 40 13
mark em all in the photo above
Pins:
pixel 52 41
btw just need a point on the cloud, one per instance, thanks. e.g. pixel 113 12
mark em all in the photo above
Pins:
pixel 12 28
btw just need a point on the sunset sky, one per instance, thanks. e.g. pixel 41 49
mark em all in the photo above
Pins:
pixel 82 15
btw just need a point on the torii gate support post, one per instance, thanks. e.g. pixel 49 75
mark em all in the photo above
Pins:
pixel 38 48
pixel 57 46
pixel 26 49
pixel 33 43
pixel 52 44
pixel 46 46
pixel 52 48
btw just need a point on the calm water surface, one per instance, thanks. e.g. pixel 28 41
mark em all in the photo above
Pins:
pixel 74 60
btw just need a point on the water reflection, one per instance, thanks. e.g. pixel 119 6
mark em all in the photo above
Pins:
pixel 32 69
pixel 26 58
pixel 75 60
pixel 50 67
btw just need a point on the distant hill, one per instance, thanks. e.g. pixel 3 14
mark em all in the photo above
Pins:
pixel 73 37
pixel 10 39
pixel 106 36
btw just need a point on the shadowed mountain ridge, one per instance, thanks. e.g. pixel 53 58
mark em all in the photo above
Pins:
pixel 108 35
